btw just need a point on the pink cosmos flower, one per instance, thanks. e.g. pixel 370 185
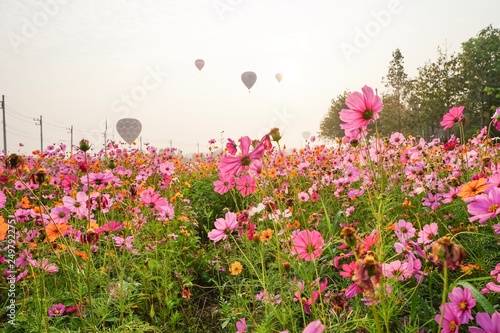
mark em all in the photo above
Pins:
pixel 485 206
pixel 397 269
pixel 98 180
pixel 451 322
pixel 454 116
pixel 363 108
pixel 404 230
pixel 78 205
pixel 462 303
pixel 496 119
pixel 432 201
pixel 109 227
pixel 303 196
pixel 125 243
pixel 152 199
pixel 3 199
pixel 488 324
pixel 308 244
pixel 224 184
pixel 223 227
pixel 60 214
pixel 44 265
pixel 428 233
pixel 246 185
pixel 396 139
pixel 241 325
pixel 314 327
pixel 56 310
pixel 235 164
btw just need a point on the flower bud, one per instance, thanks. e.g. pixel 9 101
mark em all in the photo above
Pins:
pixel 89 237
pixel 84 145
pixel 275 134
pixel 451 253
pixel 39 176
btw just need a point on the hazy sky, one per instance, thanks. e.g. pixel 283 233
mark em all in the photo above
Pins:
pixel 81 63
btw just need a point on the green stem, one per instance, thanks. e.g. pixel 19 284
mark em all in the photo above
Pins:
pixel 443 298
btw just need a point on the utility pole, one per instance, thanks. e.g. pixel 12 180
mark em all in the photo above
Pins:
pixel 41 131
pixel 71 131
pixel 4 127
pixel 170 144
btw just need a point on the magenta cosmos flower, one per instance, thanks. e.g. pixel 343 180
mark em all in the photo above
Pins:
pixel 454 116
pixel 308 244
pixel 235 164
pixel 462 303
pixel 363 108
pixel 56 310
pixel 485 206
pixel 223 227
pixel 488 324
pixel 451 322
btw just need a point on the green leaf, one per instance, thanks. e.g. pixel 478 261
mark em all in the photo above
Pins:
pixel 152 311
pixel 481 301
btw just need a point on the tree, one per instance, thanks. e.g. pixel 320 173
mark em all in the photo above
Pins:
pixel 397 83
pixel 480 69
pixel 330 125
pixel 437 88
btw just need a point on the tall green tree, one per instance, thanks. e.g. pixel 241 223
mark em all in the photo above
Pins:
pixel 330 125
pixel 396 82
pixel 480 69
pixel 436 89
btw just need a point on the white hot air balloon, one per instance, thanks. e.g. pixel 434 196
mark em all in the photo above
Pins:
pixel 279 76
pixel 129 129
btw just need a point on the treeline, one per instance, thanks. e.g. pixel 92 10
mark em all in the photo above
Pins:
pixel 415 106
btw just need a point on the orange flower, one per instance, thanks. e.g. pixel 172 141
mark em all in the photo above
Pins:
pixel 25 203
pixel 473 188
pixel 236 268
pixel 3 228
pixel 54 231
pixel 266 235
pixel 81 254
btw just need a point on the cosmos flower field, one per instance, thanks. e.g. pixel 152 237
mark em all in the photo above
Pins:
pixel 367 234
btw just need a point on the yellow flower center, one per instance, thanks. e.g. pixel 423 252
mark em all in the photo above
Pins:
pixel 493 208
pixel 463 305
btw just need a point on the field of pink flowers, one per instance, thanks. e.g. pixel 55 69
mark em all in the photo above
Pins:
pixel 369 234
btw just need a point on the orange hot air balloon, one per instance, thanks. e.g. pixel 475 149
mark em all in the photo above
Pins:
pixel 199 63
pixel 279 76
pixel 249 79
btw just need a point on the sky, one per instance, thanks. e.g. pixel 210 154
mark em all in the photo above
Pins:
pixel 89 63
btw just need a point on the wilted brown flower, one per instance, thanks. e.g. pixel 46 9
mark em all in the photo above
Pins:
pixel 367 272
pixel 451 253
pixel 14 161
pixel 349 234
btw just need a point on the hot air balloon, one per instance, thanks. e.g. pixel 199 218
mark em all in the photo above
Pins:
pixel 249 79
pixel 279 76
pixel 199 63
pixel 306 135
pixel 129 129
